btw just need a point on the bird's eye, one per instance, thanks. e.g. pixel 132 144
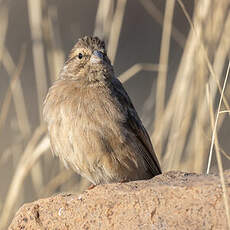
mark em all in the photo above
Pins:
pixel 80 55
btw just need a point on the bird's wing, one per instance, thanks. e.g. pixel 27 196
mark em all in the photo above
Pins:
pixel 134 123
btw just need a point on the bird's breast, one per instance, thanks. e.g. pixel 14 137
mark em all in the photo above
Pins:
pixel 80 110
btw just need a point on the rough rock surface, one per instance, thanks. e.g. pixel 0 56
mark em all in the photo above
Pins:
pixel 173 200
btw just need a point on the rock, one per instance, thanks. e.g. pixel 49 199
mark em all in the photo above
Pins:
pixel 173 200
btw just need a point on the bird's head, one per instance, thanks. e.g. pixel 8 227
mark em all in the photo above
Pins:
pixel 88 60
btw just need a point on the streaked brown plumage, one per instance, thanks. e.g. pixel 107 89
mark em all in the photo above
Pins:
pixel 93 126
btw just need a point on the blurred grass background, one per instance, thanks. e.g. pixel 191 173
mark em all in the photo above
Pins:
pixel 171 56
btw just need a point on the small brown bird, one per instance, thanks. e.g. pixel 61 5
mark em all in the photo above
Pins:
pixel 93 125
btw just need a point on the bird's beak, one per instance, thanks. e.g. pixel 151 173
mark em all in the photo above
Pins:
pixel 96 57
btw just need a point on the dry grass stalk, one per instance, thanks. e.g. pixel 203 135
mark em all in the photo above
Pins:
pixel 27 160
pixel 215 71
pixel 180 94
pixel 174 113
pixel 225 154
pixel 215 125
pixel 8 96
pixel 19 102
pixel 217 148
pixel 55 53
pixel 136 69
pixel 214 80
pixel 164 55
pixel 4 17
pixel 104 18
pixel 189 79
pixel 35 19
pixel 224 111
pixel 156 14
pixel 17 92
pixel 116 29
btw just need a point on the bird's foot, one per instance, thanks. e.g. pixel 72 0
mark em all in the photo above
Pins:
pixel 92 186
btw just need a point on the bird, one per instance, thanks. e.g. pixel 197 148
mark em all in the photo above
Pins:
pixel 92 124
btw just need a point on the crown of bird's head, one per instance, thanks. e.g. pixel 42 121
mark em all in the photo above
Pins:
pixel 88 60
